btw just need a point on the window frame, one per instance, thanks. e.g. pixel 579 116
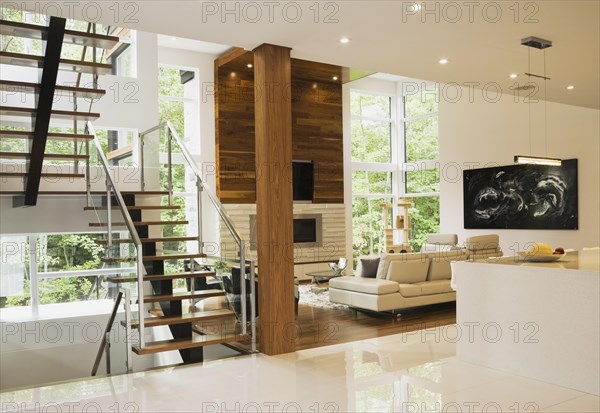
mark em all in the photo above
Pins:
pixel 398 166
pixel 34 254
pixel 423 164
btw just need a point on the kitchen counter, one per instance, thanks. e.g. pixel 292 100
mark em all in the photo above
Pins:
pixel 539 320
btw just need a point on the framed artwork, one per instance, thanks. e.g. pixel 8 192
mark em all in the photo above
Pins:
pixel 521 197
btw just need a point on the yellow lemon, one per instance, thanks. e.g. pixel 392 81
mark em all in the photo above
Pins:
pixel 540 248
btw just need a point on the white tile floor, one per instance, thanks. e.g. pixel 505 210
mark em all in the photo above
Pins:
pixel 413 372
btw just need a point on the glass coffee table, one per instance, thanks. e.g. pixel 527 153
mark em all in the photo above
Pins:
pixel 324 276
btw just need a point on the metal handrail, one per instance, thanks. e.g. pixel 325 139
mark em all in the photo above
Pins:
pixel 202 186
pixel 105 343
pixel 211 195
pixel 188 157
pixel 219 207
pixel 130 226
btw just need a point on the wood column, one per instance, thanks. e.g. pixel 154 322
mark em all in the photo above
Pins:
pixel 274 210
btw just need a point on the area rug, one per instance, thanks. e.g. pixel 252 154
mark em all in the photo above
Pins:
pixel 313 296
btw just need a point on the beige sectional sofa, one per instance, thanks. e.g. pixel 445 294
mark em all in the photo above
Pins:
pixel 402 281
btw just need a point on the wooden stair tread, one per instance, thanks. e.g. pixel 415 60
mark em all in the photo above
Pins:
pixel 26 60
pixel 134 207
pixel 166 257
pixel 147 240
pixel 51 136
pixel 185 295
pixel 29 87
pixel 148 258
pixel 139 223
pixel 49 156
pixel 183 318
pixel 59 114
pixel 44 174
pixel 197 340
pixel 153 207
pixel 145 192
pixel 164 277
pixel 39 32
pixel 53 193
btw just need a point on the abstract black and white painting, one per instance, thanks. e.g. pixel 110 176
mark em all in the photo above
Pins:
pixel 521 197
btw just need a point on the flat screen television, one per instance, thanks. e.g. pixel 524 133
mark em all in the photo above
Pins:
pixel 303 180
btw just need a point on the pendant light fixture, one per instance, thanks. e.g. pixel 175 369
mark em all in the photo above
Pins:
pixel 541 44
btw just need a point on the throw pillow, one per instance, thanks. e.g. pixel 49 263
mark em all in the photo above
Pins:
pixel 369 267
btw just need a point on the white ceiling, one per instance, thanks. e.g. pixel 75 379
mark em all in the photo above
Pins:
pixel 385 38
pixel 189 44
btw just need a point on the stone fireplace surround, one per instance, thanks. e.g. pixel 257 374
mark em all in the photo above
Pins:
pixel 306 258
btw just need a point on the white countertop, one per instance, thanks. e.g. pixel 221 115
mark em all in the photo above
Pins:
pixel 578 260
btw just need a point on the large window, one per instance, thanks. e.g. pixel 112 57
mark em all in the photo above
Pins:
pixel 371 128
pixel 372 168
pixel 395 152
pixel 179 104
pixel 44 269
pixel 420 169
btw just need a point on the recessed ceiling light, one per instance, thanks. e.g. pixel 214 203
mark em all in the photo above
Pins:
pixel 514 76
pixel 232 74
pixel 314 86
pixel 335 78
pixel 345 40
pixel 443 61
pixel 570 87
pixel 250 65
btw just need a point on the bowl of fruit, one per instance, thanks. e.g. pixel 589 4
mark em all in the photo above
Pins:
pixel 540 252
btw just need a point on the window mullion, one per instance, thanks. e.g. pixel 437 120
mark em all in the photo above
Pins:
pixel 33 276
pixel 419 117
pixel 176 99
pixel 401 185
pixel 373 167
pixel 372 119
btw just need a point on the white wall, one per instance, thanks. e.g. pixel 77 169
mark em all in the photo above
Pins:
pixel 132 102
pixel 55 348
pixel 474 132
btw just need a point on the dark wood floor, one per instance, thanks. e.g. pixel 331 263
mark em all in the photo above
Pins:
pixel 317 327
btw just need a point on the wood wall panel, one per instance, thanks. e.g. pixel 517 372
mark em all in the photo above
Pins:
pixel 234 128
pixel 316 127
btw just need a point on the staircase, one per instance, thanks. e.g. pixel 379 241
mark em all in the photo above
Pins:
pixel 153 296
pixel 45 92
pixel 140 215
pixel 187 326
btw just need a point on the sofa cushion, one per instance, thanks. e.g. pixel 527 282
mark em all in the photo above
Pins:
pixel 427 248
pixel 482 242
pixel 368 267
pixel 364 285
pixel 439 268
pixel 409 271
pixel 386 259
pixel 434 287
pixel 410 290
pixel 485 253
pixel 448 239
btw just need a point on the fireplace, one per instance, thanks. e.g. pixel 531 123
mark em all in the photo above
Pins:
pixel 308 231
